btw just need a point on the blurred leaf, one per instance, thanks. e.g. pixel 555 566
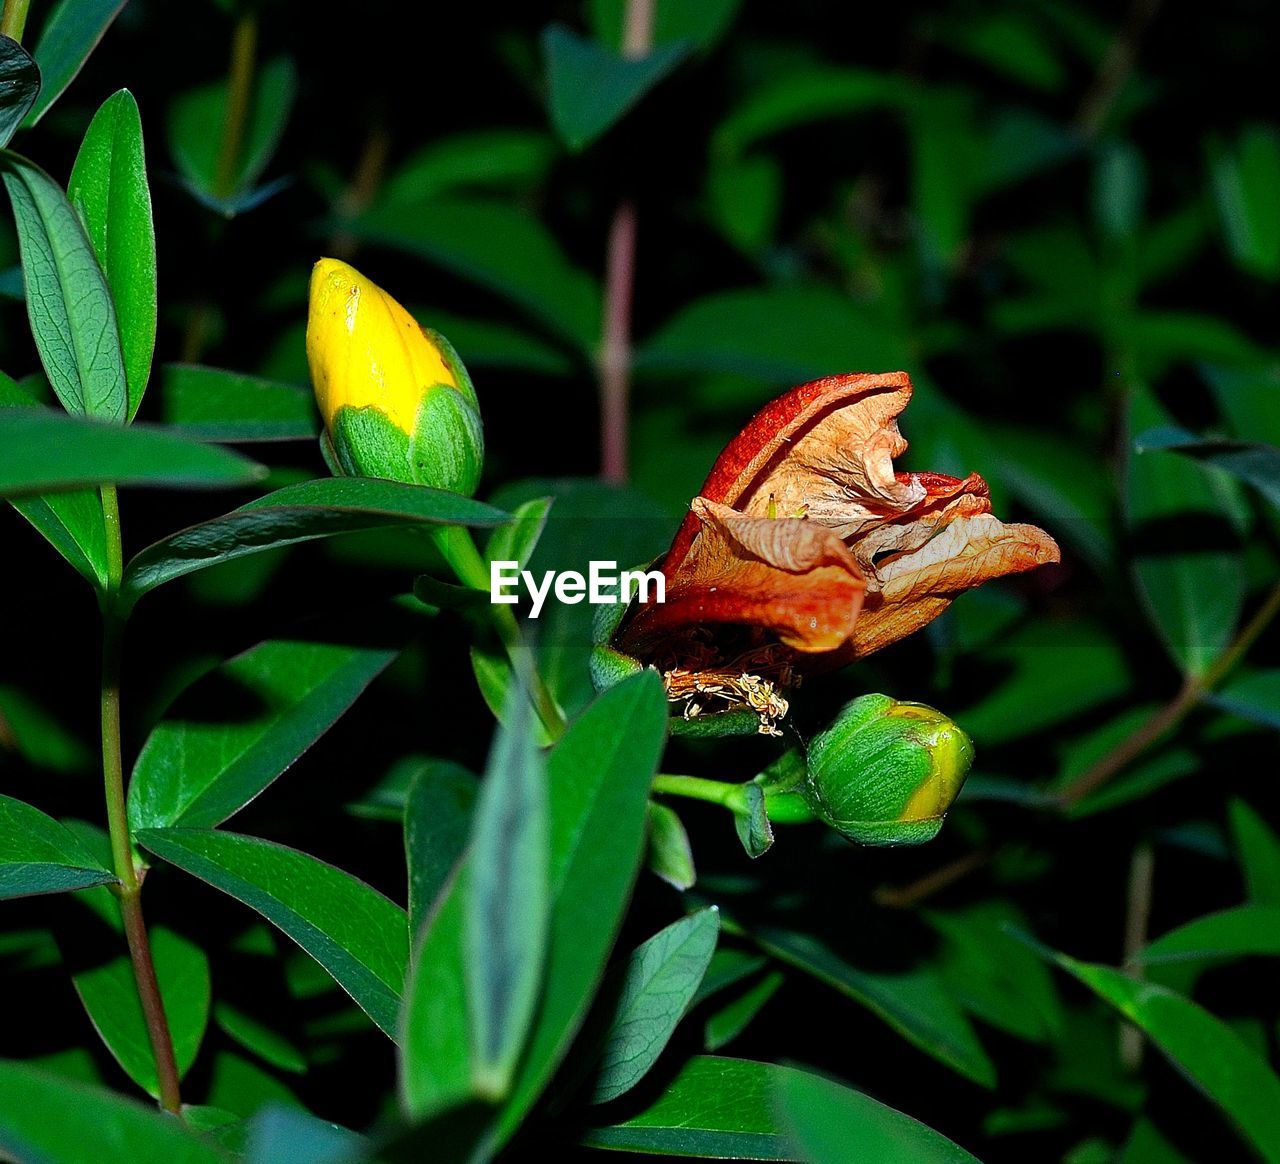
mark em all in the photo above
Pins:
pixel 278 1134
pixel 1258 850
pixel 1254 696
pixel 744 197
pixel 517 541
pixel 19 86
pixel 487 158
pixel 785 335
pixel 69 304
pixel 39 855
pixel 109 191
pixel 729 966
pixel 196 772
pixel 109 992
pixel 1161 338
pixel 499 247
pixel 45 450
pixel 1244 182
pixel 591 88
pixel 916 1004
pixel 212 404
pixel 1230 933
pixel 830 1124
pixel 1191 585
pixel 1119 192
pixel 598 782
pixel 1257 465
pixel 37 736
pixel 506 902
pixel 1206 1051
pixel 1250 399
pixel 727 1023
pixel 69 34
pixel 46 1117
pixel 354 932
pixel 1012 44
pixel 700 24
pixel 243 1088
pixel 197 123
pixel 670 854
pixel 297 513
pixel 437 823
pixel 482 343
pixel 656 990
pixel 716 1108
pixel 263 1040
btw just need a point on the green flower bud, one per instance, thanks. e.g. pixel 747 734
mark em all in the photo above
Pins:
pixel 885 772
pixel 397 402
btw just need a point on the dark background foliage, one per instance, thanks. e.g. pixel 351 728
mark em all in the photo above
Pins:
pixel 1063 219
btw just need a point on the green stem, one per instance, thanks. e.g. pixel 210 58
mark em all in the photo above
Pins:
pixel 14 18
pixel 129 891
pixel 696 788
pixel 460 551
pixel 244 51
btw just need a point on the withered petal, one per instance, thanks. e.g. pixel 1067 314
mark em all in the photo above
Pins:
pixel 791 577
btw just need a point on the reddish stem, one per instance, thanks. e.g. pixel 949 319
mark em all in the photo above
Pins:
pixel 615 351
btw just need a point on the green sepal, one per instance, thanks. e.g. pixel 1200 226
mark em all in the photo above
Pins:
pixel 447 447
pixel 610 667
pixel 365 443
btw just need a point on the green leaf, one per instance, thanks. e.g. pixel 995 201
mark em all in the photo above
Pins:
pixel 754 830
pixel 263 1040
pixel 69 303
pixel 49 1119
pixel 1255 464
pixel 1204 1049
pixel 830 1124
pixel 700 24
pixel 499 247
pixel 279 1134
pixel 517 541
pixel 43 450
pixel 437 823
pixel 1230 933
pixel 505 927
pixel 656 990
pixel 109 191
pixel 216 405
pixel 197 770
pixel 39 855
pixel 714 1108
pixel 197 122
pixel 19 86
pixel 1192 585
pixel 591 88
pixel 355 933
pixel 1244 183
pixel 109 992
pixel 917 1004
pixel 1258 850
pixel 670 855
pixel 495 158
pixel 299 513
pixel 70 33
pixel 730 1020
pixel 1254 696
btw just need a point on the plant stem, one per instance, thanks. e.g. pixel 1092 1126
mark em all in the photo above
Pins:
pixel 244 51
pixel 912 894
pixel 14 18
pixel 696 788
pixel 129 891
pixel 1136 923
pixel 1114 70
pixel 459 550
pixel 1151 731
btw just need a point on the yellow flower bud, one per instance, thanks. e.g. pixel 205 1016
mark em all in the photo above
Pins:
pixel 885 772
pixel 396 401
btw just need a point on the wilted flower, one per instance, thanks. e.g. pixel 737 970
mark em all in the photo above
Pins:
pixel 885 772
pixel 396 401
pixel 805 549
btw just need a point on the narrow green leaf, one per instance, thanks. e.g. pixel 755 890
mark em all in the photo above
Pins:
pixel 1244 181
pixel 19 86
pixel 916 1004
pixel 1255 464
pixel 109 992
pixel 727 1023
pixel 260 1038
pixel 1229 933
pixel 215 405
pixel 657 989
pixel 1258 850
pixel 197 770
pixel 670 855
pixel 592 88
pixel 50 1119
pixel 109 191
pixel 517 541
pixel 299 513
pixel 42 450
pixel 714 1108
pixel 69 304
pixel 70 33
pixel 39 855
pixel 1204 1049
pixel 1254 696
pixel 356 934
pixel 437 823
pixel 505 931
pixel 830 1124
pixel 754 830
